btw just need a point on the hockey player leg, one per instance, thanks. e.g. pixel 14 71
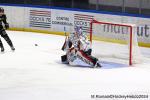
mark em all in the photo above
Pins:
pixel 6 37
pixel 88 59
pixel 88 52
pixel 66 45
pixel 1 46
pixel 71 56
pixel 96 61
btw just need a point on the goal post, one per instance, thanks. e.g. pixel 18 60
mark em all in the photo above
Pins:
pixel 127 32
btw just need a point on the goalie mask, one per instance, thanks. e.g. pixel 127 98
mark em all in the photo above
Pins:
pixel 78 30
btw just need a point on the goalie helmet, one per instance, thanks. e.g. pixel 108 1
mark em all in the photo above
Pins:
pixel 78 30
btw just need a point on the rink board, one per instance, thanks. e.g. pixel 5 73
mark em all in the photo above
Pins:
pixel 51 20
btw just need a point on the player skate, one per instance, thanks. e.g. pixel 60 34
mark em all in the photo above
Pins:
pixel 76 47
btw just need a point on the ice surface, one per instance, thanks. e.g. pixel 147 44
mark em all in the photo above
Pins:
pixel 36 73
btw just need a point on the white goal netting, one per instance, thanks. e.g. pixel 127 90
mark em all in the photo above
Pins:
pixel 125 34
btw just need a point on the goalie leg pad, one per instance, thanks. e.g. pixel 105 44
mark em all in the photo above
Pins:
pixel 88 59
pixel 88 51
pixel 66 45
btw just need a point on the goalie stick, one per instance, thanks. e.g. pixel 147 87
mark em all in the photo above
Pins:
pixel 65 34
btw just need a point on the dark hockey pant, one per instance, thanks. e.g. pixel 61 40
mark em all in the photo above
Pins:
pixel 6 37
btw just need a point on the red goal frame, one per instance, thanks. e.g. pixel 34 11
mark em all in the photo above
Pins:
pixel 125 25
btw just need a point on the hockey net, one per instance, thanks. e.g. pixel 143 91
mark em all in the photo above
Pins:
pixel 124 34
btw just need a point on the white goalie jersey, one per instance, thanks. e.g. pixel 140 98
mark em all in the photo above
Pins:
pixel 77 46
pixel 80 41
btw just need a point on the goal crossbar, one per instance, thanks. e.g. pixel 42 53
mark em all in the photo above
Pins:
pixel 116 24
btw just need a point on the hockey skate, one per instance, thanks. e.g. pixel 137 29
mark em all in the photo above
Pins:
pixel 2 49
pixel 12 48
pixel 97 65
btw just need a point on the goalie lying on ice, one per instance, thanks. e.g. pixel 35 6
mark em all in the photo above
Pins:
pixel 77 47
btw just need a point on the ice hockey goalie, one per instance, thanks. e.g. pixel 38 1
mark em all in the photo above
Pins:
pixel 77 47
